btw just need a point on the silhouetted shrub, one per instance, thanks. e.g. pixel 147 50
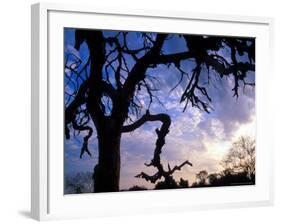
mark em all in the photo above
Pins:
pixel 170 183
pixel 137 188
pixel 183 183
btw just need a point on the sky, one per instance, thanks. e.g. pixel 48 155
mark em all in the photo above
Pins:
pixel 202 138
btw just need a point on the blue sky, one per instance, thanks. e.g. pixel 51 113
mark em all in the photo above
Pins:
pixel 201 138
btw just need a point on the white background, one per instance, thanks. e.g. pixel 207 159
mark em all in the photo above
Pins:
pixel 15 111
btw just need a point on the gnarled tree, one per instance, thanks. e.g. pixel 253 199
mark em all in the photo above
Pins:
pixel 104 89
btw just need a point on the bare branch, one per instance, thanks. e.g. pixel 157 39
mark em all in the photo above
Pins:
pixel 86 138
pixel 146 117
pixel 161 134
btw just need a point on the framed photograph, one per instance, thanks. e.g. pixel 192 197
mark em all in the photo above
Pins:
pixel 148 111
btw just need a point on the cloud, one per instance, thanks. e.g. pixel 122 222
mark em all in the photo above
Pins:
pixel 232 112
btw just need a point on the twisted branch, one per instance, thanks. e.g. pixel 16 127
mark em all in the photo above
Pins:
pixel 160 142
pixel 86 138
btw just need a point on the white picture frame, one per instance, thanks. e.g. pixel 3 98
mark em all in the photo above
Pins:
pixel 48 201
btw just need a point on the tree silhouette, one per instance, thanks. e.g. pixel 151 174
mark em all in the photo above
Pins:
pixel 201 179
pixel 104 93
pixel 241 157
pixel 239 166
pixel 183 183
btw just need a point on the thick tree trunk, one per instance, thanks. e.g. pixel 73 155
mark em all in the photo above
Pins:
pixel 107 172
